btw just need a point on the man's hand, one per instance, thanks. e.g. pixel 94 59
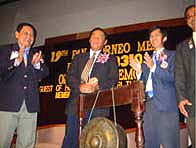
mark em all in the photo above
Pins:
pixel 148 60
pixel 89 87
pixel 181 106
pixel 135 64
pixel 36 57
pixel 20 55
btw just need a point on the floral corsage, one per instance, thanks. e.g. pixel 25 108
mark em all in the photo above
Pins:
pixel 162 59
pixel 102 58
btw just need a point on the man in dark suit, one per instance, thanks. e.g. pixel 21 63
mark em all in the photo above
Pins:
pixel 161 119
pixel 184 73
pixel 21 69
pixel 103 74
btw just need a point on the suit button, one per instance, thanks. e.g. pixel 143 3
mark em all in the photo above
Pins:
pixel 25 87
pixel 25 76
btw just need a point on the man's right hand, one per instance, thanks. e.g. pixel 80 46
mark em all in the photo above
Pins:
pixel 20 55
pixel 181 106
pixel 89 87
pixel 135 64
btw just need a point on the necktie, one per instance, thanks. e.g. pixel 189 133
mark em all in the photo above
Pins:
pixel 87 68
pixel 149 88
pixel 25 56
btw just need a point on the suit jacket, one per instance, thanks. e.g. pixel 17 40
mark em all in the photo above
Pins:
pixel 164 98
pixel 19 83
pixel 184 73
pixel 107 74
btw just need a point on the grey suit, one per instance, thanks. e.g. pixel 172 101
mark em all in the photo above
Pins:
pixel 184 72
pixel 185 79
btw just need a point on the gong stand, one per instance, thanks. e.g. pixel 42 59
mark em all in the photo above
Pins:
pixel 132 94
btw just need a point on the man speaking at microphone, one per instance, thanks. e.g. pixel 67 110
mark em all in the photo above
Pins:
pixel 21 69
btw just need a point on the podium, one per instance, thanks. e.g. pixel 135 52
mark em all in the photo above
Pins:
pixel 132 94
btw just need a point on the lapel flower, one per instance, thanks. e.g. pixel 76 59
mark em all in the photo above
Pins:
pixel 190 44
pixel 162 58
pixel 102 58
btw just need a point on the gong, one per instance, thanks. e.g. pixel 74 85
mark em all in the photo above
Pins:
pixel 100 132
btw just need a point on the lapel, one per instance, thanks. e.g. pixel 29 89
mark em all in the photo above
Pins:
pixel 190 44
pixel 188 49
pixel 12 51
pixel 191 40
pixel 82 61
pixel 85 59
pixel 15 47
pixel 189 54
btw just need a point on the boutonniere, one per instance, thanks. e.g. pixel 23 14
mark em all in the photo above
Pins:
pixel 163 60
pixel 14 55
pixel 102 58
pixel 190 44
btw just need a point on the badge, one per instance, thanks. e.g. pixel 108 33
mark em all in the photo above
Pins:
pixel 164 64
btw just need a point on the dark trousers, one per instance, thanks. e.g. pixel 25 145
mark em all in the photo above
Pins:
pixel 71 134
pixel 160 128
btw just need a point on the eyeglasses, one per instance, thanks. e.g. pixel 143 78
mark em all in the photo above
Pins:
pixel 190 16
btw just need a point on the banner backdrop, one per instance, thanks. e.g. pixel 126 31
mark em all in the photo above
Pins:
pixel 54 90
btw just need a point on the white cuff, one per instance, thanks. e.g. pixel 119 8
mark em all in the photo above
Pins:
pixel 16 63
pixel 138 75
pixel 37 66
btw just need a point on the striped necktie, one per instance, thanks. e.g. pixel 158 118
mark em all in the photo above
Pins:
pixel 87 68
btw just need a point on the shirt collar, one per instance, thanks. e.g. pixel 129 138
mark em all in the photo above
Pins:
pixel 159 51
pixel 194 37
pixel 92 51
pixel 194 34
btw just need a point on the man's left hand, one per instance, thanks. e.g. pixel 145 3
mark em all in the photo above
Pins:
pixel 36 57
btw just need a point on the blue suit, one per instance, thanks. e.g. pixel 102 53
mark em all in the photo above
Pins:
pixel 161 123
pixel 14 79
pixel 19 97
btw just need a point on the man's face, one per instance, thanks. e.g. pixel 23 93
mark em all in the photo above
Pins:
pixel 25 37
pixel 156 39
pixel 191 18
pixel 97 40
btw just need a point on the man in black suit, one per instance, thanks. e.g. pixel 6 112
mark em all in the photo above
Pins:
pixel 21 69
pixel 102 75
pixel 184 73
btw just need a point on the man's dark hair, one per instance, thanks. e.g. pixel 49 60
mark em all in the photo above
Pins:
pixel 100 29
pixel 162 30
pixel 21 25
pixel 187 8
